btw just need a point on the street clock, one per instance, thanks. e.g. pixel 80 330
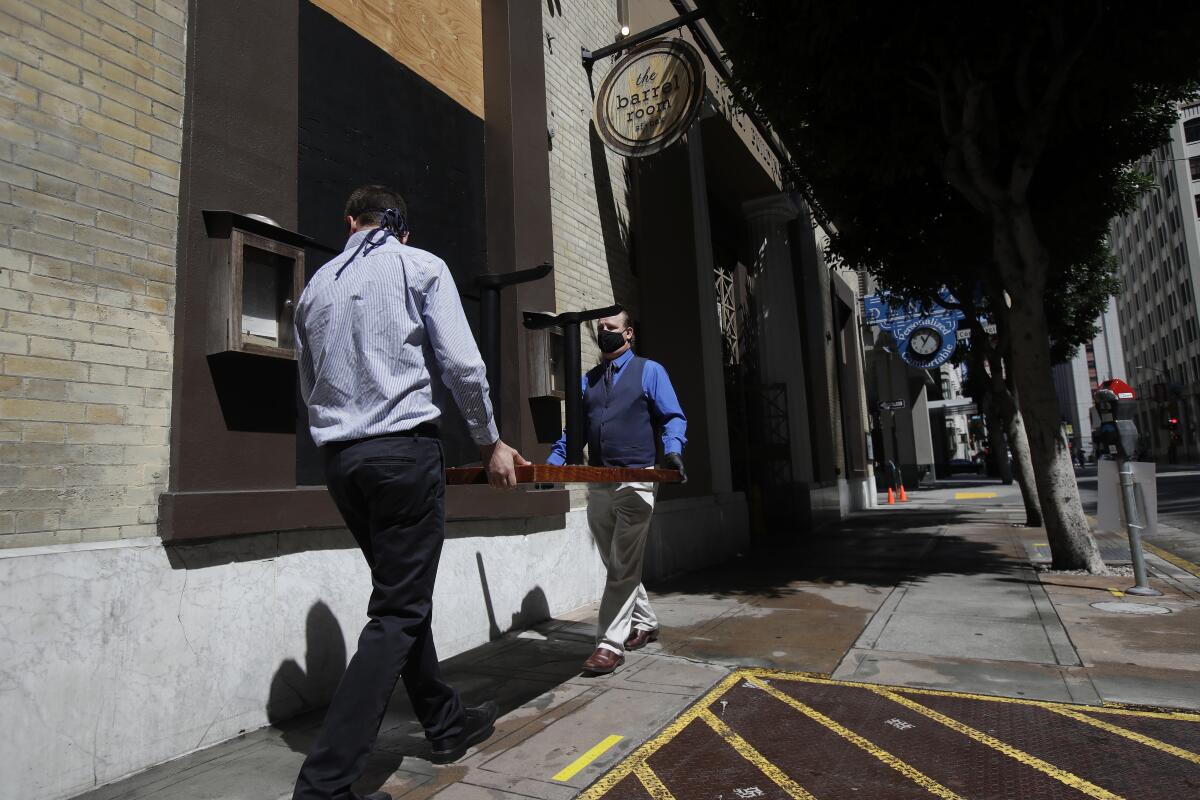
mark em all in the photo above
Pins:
pixel 925 341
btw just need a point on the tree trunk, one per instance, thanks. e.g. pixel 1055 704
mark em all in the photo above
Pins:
pixel 986 382
pixel 1001 404
pixel 996 441
pixel 1067 530
pixel 1014 426
pixel 1024 264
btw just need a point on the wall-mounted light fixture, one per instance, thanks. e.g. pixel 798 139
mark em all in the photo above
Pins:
pixel 623 16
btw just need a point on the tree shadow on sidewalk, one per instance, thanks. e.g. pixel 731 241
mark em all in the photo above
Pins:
pixel 875 549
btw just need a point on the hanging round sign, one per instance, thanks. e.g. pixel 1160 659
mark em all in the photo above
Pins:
pixel 650 97
pixel 927 342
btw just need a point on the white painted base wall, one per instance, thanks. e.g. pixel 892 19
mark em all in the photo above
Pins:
pixel 694 533
pixel 827 501
pixel 118 656
pixel 861 494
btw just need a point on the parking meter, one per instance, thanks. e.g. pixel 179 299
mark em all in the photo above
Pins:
pixel 1115 405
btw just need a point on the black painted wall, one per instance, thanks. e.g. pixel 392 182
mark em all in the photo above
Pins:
pixel 366 118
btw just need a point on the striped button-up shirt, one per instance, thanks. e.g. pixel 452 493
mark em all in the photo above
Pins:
pixel 366 342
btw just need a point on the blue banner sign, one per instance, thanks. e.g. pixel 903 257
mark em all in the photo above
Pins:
pixel 887 312
pixel 926 334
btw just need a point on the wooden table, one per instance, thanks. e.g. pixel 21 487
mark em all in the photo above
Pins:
pixel 548 473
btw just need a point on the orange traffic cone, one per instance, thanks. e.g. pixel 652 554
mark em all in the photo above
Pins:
pixel 891 497
pixel 903 494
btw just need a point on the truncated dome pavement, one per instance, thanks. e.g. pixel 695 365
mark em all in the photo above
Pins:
pixel 769 734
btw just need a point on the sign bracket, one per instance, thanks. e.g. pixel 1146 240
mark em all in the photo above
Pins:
pixel 590 57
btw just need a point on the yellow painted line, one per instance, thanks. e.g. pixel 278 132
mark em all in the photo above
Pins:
pixel 975 495
pixel 1112 708
pixel 1149 741
pixel 903 767
pixel 591 755
pixel 747 751
pixel 651 782
pixel 1119 710
pixel 1115 592
pixel 639 756
pixel 1182 563
pixel 1068 778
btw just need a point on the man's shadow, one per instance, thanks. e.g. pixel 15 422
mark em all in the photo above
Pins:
pixel 509 669
pixel 295 691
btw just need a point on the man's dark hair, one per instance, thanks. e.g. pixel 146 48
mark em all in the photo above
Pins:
pixel 366 203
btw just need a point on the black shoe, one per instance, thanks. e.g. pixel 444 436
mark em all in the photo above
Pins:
pixel 374 796
pixel 479 725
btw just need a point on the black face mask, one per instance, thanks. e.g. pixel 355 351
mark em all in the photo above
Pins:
pixel 610 341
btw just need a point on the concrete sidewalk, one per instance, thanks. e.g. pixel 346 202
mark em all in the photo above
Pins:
pixel 938 593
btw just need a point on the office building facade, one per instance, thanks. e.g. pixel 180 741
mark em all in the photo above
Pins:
pixel 1158 248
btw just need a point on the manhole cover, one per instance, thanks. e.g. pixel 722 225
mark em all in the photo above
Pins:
pixel 1131 608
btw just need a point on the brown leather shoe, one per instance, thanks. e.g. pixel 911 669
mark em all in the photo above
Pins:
pixel 640 637
pixel 603 661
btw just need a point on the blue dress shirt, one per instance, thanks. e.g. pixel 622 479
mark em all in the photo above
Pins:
pixel 665 410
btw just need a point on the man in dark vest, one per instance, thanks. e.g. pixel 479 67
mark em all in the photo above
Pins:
pixel 630 404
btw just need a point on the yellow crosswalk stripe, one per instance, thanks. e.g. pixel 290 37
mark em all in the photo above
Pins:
pixel 747 751
pixel 591 755
pixel 1140 738
pixel 1061 775
pixel 903 767
pixel 651 782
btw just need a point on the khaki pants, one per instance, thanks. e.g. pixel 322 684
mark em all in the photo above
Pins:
pixel 619 518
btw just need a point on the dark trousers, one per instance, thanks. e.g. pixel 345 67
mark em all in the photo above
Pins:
pixel 391 492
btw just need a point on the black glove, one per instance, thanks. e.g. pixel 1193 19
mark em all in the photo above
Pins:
pixel 675 461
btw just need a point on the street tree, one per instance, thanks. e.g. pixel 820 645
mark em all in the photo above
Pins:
pixel 1030 112
pixel 918 237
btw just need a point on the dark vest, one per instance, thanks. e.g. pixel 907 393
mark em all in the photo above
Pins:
pixel 620 432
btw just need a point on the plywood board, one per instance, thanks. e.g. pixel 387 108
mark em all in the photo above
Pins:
pixel 441 41
pixel 548 473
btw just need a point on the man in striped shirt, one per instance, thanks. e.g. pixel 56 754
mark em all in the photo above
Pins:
pixel 371 326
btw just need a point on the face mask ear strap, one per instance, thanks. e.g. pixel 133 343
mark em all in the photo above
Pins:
pixel 391 223
pixel 393 220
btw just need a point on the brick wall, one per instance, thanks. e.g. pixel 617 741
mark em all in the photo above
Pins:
pixel 588 182
pixel 91 98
